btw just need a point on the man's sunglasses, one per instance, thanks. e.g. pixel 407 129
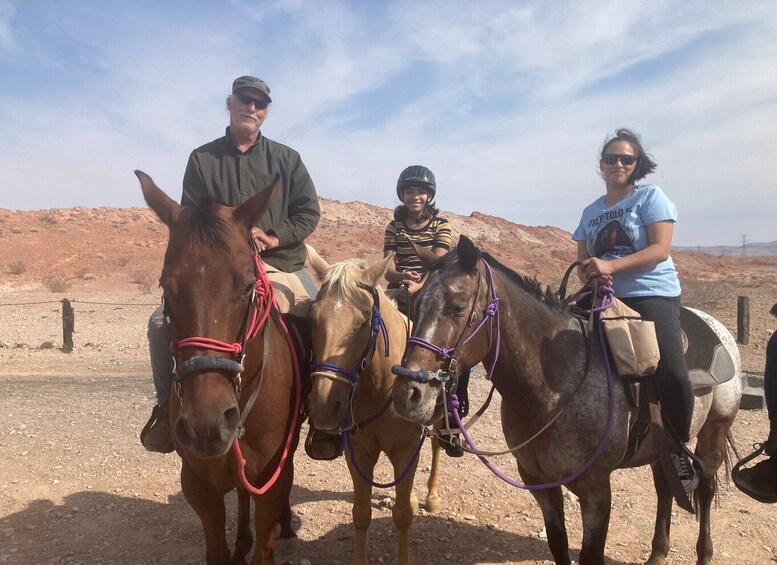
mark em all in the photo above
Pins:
pixel 244 98
pixel 611 159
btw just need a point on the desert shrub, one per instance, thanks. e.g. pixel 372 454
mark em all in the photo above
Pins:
pixel 123 261
pixel 17 267
pixel 85 275
pixel 144 281
pixel 704 294
pixel 49 217
pixel 56 283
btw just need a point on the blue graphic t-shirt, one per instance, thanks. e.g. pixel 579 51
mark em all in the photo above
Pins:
pixel 620 230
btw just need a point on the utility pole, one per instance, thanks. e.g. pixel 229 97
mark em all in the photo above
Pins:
pixel 744 245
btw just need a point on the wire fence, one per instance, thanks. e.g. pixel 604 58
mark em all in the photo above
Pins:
pixel 40 324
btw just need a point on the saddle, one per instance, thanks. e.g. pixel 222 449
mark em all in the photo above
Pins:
pixel 708 361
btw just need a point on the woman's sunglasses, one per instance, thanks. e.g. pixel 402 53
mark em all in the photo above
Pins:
pixel 244 98
pixel 611 159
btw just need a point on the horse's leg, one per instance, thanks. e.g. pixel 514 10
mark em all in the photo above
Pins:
pixel 595 504
pixel 268 508
pixel 660 544
pixel 287 531
pixel 362 493
pixel 403 510
pixel 244 539
pixel 209 506
pixel 711 449
pixel 433 501
pixel 552 506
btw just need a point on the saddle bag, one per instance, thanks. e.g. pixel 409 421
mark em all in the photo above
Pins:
pixel 632 340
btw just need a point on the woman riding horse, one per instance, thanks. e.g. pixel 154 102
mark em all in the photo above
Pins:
pixel 624 240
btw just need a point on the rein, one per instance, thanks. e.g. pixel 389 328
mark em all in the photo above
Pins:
pixel 606 294
pixel 260 307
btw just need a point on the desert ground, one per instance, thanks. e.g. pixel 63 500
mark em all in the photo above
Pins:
pixel 76 486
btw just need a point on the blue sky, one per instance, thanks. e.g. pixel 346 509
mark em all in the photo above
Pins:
pixel 507 102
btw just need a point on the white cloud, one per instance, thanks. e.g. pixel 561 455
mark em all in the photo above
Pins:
pixel 509 109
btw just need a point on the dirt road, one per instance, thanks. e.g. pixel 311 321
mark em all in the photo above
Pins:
pixel 77 487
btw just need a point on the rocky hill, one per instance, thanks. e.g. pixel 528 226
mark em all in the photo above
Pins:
pixel 122 248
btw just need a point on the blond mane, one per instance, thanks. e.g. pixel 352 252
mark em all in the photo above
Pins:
pixel 343 278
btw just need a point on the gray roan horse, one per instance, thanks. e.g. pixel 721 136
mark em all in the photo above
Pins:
pixel 540 372
pixel 352 385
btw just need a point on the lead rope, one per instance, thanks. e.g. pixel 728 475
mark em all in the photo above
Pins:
pixel 241 462
pixel 606 295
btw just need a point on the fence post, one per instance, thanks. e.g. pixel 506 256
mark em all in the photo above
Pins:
pixel 68 323
pixel 743 320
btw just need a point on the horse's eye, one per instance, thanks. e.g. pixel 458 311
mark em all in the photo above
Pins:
pixel 459 309
pixel 249 289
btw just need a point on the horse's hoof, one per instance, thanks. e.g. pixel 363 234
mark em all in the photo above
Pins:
pixel 433 505
pixel 285 547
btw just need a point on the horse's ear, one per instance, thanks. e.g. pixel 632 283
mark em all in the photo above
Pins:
pixel 316 262
pixel 249 212
pixel 468 254
pixel 164 206
pixel 375 273
pixel 428 258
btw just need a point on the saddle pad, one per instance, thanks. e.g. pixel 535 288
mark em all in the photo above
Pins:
pixel 709 363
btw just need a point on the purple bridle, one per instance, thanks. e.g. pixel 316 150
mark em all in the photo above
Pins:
pixel 490 317
pixel 351 376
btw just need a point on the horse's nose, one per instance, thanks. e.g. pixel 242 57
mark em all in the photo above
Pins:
pixel 208 437
pixel 229 423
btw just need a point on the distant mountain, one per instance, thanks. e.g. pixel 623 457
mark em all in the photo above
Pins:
pixel 123 248
pixel 749 250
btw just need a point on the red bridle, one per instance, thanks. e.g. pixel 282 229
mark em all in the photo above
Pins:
pixel 261 300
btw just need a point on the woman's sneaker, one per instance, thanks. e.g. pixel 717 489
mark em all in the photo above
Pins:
pixel 685 470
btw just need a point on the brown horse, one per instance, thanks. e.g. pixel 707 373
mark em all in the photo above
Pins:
pixel 352 384
pixel 228 433
pixel 557 403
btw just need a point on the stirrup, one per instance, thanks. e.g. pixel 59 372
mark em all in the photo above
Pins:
pixel 158 414
pixel 740 484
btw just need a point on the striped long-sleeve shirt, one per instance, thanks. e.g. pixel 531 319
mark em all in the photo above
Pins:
pixel 436 234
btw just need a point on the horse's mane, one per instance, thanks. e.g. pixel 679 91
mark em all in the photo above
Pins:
pixel 207 225
pixel 342 277
pixel 530 285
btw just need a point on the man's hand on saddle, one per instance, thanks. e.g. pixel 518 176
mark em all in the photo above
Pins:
pixel 263 240
pixel 595 269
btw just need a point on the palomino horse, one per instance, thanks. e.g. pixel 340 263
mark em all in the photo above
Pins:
pixel 352 385
pixel 228 433
pixel 555 400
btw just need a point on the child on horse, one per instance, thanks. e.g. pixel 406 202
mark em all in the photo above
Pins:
pixel 417 220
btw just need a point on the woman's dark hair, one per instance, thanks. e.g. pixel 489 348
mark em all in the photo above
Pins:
pixel 645 163
pixel 401 212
